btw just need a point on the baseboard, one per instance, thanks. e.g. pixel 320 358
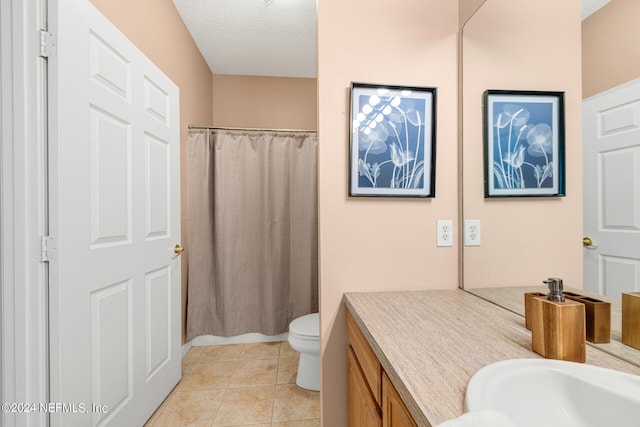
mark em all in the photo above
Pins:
pixel 185 348
pixel 238 339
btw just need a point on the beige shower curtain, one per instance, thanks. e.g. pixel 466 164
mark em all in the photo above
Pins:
pixel 252 230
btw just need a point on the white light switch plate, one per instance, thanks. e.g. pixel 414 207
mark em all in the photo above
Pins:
pixel 472 232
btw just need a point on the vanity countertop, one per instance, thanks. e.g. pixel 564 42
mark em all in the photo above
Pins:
pixel 511 299
pixel 430 343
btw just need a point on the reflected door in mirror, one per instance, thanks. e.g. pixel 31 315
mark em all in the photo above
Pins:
pixel 611 139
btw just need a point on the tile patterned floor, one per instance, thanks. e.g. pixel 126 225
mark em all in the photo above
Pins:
pixel 239 385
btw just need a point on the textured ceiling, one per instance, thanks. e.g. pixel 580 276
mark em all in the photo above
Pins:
pixel 254 37
pixel 265 37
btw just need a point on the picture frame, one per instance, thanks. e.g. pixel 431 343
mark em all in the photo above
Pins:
pixel 392 141
pixel 524 144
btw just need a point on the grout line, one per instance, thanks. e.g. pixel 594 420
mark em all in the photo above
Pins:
pixel 273 403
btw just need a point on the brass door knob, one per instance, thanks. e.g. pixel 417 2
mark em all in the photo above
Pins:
pixel 177 249
pixel 588 243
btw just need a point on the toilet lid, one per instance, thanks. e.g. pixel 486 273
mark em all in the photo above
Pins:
pixel 306 326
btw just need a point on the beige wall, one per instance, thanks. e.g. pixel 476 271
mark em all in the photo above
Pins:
pixel 610 40
pixel 466 9
pixel 264 102
pixel 157 29
pixel 369 244
pixel 523 240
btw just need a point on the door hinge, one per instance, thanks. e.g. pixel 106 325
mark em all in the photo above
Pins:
pixel 48 248
pixel 48 44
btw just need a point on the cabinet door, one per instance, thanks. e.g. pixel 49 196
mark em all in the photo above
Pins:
pixel 369 364
pixel 394 411
pixel 363 411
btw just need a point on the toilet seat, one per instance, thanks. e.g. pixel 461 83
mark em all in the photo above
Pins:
pixel 306 326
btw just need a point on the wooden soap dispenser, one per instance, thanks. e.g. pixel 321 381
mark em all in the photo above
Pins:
pixel 558 328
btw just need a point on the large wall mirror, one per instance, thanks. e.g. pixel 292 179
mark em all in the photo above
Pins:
pixel 518 45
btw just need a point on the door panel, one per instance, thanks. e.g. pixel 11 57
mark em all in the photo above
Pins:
pixel 158 316
pixel 158 175
pixel 111 186
pixel 611 135
pixel 618 167
pixel 115 287
pixel 111 346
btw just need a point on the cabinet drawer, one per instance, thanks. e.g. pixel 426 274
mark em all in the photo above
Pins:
pixel 371 368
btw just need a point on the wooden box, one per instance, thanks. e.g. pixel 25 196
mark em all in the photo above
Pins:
pixel 631 319
pixel 597 316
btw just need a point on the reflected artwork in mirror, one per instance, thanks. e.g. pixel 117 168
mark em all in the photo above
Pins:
pixel 523 143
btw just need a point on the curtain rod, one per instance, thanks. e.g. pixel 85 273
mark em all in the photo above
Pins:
pixel 252 129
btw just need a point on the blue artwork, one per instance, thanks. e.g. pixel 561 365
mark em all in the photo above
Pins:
pixel 523 152
pixel 392 132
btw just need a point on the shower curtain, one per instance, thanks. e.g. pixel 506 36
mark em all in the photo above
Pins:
pixel 252 231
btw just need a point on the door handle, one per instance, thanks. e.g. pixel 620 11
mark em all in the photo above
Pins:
pixel 588 243
pixel 177 249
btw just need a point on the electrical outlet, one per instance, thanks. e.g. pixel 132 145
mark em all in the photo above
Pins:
pixel 472 232
pixel 445 232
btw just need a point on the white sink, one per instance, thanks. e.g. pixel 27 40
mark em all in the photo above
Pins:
pixel 543 392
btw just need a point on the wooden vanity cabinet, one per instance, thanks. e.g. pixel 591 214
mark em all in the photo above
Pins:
pixel 373 400
pixel 363 409
pixel 394 411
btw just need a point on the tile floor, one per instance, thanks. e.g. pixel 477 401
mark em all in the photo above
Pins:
pixel 239 385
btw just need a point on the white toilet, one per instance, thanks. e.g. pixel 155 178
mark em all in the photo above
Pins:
pixel 304 336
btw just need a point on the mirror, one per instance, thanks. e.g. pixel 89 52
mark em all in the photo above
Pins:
pixel 535 46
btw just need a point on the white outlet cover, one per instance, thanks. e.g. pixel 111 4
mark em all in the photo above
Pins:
pixel 444 232
pixel 472 232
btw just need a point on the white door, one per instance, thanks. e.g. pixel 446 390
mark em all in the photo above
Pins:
pixel 611 135
pixel 115 280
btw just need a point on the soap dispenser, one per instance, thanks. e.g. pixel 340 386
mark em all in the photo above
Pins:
pixel 558 328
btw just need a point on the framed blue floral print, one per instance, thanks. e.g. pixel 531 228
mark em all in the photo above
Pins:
pixel 392 141
pixel 524 143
